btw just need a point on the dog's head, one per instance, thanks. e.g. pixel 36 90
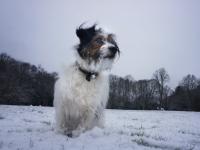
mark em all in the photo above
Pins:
pixel 97 49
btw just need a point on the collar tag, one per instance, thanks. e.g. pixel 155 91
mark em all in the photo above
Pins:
pixel 88 75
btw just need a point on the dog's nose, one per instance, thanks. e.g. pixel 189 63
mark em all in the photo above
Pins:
pixel 113 50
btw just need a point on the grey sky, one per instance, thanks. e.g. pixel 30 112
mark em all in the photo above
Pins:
pixel 151 33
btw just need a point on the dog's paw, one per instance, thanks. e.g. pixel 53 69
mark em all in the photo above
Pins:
pixel 76 133
pixel 59 130
pixel 101 122
pixel 69 135
pixel 73 134
pixel 101 125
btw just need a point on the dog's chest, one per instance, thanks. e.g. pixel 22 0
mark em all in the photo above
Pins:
pixel 82 93
pixel 86 90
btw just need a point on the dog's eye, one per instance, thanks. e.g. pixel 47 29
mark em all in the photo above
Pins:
pixel 110 39
pixel 99 41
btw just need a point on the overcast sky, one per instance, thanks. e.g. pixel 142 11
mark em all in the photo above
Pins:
pixel 150 33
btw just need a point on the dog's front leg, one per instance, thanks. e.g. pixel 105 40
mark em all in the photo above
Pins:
pixel 77 132
pixel 60 120
pixel 101 121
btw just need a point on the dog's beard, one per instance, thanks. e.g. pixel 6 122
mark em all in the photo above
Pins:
pixel 102 64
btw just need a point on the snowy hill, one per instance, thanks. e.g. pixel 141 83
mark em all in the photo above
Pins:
pixel 28 127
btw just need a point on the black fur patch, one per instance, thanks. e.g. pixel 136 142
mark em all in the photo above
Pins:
pixel 85 35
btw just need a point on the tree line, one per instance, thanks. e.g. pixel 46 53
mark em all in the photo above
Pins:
pixel 152 94
pixel 24 84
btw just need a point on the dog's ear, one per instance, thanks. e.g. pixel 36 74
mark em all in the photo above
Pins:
pixel 86 34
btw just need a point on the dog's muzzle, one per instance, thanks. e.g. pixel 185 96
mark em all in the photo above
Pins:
pixel 112 52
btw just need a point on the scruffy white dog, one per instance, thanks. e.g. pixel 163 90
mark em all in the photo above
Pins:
pixel 81 93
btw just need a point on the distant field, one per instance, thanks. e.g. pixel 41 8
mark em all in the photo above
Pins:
pixel 28 127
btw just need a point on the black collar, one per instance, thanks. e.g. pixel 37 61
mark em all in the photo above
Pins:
pixel 88 74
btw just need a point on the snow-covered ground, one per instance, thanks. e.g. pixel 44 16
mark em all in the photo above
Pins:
pixel 28 127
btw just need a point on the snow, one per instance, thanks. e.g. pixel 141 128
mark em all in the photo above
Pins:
pixel 28 127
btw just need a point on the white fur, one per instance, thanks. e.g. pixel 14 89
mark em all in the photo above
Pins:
pixel 79 104
pixel 102 65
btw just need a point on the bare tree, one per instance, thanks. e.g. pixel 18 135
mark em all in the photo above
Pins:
pixel 189 82
pixel 162 77
pixel 129 77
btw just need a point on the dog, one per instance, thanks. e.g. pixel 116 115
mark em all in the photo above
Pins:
pixel 82 91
